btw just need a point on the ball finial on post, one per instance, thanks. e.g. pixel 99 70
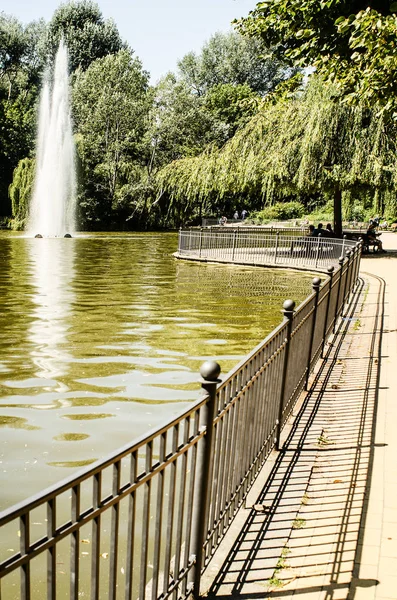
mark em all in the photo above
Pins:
pixel 210 370
pixel 316 283
pixel 289 305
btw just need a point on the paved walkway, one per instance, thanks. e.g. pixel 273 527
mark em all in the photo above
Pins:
pixel 321 523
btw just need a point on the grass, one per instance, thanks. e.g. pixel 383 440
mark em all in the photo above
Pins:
pixel 356 324
pixel 323 440
pixel 275 581
pixel 284 553
pixel 298 523
pixel 365 294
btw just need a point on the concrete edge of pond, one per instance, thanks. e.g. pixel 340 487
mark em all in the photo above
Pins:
pixel 250 264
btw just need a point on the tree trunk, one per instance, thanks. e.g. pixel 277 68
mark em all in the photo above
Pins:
pixel 338 213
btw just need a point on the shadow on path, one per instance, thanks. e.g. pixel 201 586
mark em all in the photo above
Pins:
pixel 302 535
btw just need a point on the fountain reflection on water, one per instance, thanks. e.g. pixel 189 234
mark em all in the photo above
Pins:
pixel 52 210
pixel 52 274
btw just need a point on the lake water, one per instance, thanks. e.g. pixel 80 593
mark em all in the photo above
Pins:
pixel 102 339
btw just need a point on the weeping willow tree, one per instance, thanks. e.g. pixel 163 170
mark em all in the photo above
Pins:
pixel 20 191
pixel 311 143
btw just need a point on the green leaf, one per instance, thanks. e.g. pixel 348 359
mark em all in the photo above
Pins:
pixel 393 7
pixel 344 28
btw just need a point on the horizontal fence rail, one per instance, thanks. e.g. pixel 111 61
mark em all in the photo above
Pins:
pixel 281 226
pixel 263 247
pixel 144 522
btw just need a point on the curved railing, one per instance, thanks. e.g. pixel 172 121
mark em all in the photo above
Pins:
pixel 145 521
pixel 281 248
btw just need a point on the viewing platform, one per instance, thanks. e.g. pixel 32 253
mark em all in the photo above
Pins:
pixel 286 248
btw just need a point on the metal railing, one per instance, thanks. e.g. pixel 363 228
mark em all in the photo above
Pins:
pixel 265 229
pixel 289 225
pixel 145 521
pixel 257 248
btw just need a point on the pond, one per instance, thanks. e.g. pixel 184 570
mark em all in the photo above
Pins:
pixel 102 338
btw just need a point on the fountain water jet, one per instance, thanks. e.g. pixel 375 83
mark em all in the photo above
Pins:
pixel 52 209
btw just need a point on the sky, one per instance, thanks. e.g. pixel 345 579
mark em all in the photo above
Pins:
pixel 160 31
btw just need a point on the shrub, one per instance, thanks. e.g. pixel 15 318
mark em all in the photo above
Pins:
pixel 324 213
pixel 281 211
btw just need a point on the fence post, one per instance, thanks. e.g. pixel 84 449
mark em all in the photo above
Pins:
pixel 330 272
pixel 353 269
pixel 343 245
pixel 346 291
pixel 316 289
pixel 288 311
pixel 357 261
pixel 180 240
pixel 275 254
pixel 209 372
pixel 190 239
pixel 318 248
pixel 341 261
pixel 234 243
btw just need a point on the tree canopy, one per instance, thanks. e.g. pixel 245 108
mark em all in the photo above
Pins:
pixel 212 94
pixel 352 43
pixel 20 66
pixel 87 34
pixel 110 107
pixel 310 143
pixel 230 58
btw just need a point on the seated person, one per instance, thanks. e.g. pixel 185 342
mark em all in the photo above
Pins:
pixel 329 231
pixel 319 231
pixel 371 237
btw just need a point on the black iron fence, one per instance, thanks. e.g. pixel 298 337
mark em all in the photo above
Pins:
pixel 263 247
pixel 269 229
pixel 291 225
pixel 145 521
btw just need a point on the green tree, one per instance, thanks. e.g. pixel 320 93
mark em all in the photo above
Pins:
pixel 87 34
pixel 231 104
pixel 110 108
pixel 21 190
pixel 229 58
pixel 311 143
pixel 17 121
pixel 352 43
pixel 13 49
pixel 212 95
pixel 20 61
pixel 181 124
pixel 20 67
